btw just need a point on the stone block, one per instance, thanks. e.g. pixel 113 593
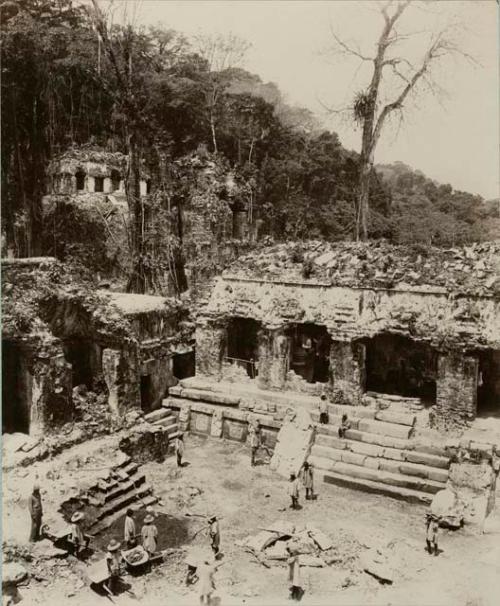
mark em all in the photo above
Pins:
pixel 389 465
pixel 331 441
pixel 409 469
pixel 372 463
pixel 387 429
pixel 400 418
pixel 394 453
pixel 413 456
pixel 438 475
pixel 371 450
pixel 326 452
pixel 353 458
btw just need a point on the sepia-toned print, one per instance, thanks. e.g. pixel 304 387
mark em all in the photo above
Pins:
pixel 250 302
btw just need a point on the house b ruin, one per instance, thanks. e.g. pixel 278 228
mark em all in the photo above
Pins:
pixel 362 320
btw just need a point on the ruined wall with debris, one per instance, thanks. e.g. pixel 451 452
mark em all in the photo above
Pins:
pixel 457 325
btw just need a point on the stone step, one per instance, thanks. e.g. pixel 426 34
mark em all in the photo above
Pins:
pixel 396 492
pixel 357 471
pixel 397 454
pixel 156 415
pixel 362 436
pixel 374 460
pixel 389 397
pixel 165 421
pixel 391 429
pixel 203 395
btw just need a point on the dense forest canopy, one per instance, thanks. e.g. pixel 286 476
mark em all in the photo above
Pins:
pixel 61 89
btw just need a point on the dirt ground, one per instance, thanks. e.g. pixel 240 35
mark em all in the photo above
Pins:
pixel 218 478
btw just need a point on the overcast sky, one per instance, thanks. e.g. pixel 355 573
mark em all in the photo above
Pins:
pixel 455 140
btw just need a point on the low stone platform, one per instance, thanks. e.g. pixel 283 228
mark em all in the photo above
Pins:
pixel 378 453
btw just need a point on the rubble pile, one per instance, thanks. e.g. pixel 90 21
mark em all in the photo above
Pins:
pixel 316 549
pixel 473 270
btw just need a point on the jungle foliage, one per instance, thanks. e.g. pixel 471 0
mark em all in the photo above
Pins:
pixel 59 90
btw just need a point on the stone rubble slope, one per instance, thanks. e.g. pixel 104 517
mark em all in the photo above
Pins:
pixel 473 270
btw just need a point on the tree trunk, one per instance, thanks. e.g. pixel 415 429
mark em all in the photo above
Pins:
pixel 363 199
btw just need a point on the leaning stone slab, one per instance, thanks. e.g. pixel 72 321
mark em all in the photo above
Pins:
pixel 396 417
pixel 261 540
pixel 319 537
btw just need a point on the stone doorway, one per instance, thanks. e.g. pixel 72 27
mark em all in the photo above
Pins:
pixel 16 389
pixel 488 384
pixel 243 344
pixel 183 365
pixel 400 366
pixel 146 393
pixel 310 352
pixel 80 353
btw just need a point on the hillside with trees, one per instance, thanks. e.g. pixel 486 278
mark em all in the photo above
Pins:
pixel 69 79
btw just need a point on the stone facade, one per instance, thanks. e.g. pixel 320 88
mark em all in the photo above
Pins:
pixel 116 341
pixel 456 328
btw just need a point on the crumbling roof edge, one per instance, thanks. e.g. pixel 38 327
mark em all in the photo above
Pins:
pixel 420 290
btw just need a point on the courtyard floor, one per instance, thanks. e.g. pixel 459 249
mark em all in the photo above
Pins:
pixel 218 479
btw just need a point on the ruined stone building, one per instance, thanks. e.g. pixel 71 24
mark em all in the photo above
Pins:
pixel 81 171
pixel 130 345
pixel 361 320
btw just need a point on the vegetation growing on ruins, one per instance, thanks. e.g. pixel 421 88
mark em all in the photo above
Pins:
pixel 157 97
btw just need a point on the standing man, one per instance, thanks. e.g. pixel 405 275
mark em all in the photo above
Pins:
pixel 113 560
pixel 130 530
pixel 294 574
pixel 36 513
pixel 323 410
pixel 308 480
pixel 431 536
pixel 207 583
pixel 149 535
pixel 179 448
pixel 254 442
pixel 293 491
pixel 214 533
pixel 77 537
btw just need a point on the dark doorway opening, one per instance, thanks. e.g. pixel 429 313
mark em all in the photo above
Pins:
pixel 184 365
pixel 146 393
pixel 78 353
pixel 398 365
pixel 16 390
pixel 488 384
pixel 310 352
pixel 80 180
pixel 115 180
pixel 99 184
pixel 239 220
pixel 243 344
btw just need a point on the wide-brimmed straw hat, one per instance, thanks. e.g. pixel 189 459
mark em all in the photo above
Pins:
pixel 148 519
pixel 76 517
pixel 113 545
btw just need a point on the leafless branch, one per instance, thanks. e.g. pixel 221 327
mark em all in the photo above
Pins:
pixel 347 48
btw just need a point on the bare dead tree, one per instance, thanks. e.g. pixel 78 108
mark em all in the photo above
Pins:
pixel 367 109
pixel 222 53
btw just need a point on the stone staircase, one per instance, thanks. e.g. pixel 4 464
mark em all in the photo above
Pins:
pixel 165 417
pixel 122 487
pixel 378 454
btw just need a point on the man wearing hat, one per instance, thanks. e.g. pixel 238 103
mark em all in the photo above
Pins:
pixel 149 535
pixel 77 537
pixel 113 560
pixel 36 512
pixel 213 529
